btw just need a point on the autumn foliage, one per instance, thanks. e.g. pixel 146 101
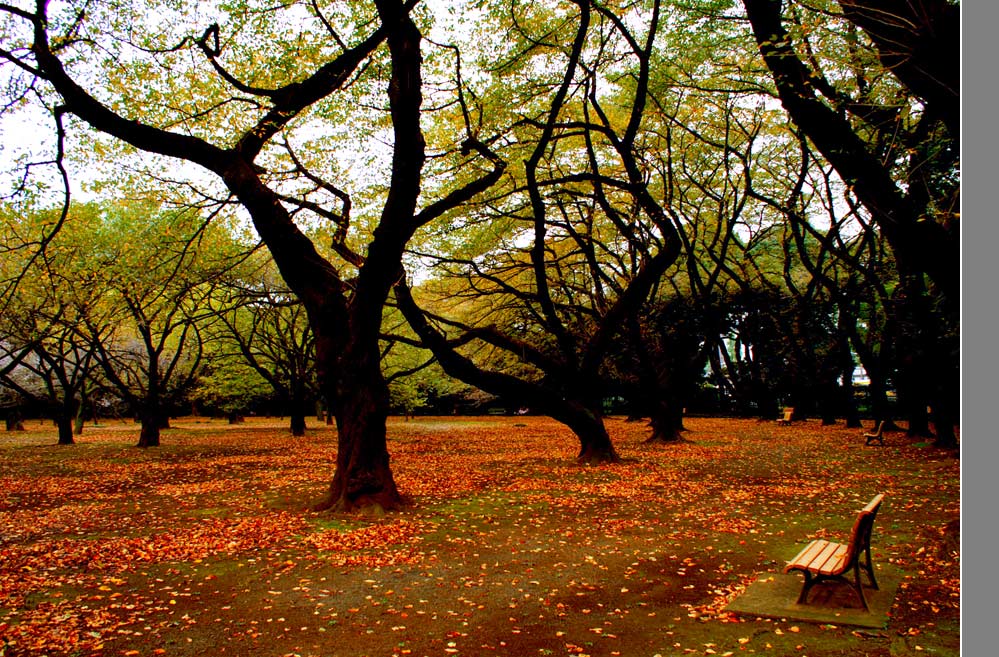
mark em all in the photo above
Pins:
pixel 506 546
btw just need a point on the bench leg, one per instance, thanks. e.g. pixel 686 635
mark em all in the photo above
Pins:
pixel 858 586
pixel 869 568
pixel 809 583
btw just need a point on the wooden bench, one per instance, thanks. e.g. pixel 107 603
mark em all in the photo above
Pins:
pixel 788 414
pixel 824 560
pixel 878 436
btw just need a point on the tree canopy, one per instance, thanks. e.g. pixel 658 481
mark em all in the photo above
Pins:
pixel 568 202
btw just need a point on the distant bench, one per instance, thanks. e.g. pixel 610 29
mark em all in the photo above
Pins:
pixel 877 436
pixel 823 560
pixel 788 414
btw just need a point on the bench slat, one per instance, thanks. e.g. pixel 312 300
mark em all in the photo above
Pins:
pixel 806 555
pixel 831 560
pixel 820 556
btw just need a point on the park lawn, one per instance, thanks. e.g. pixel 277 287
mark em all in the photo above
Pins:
pixel 506 547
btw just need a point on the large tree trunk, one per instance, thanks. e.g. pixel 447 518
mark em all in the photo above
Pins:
pixel 363 478
pixel 151 421
pixel 65 424
pixel 666 422
pixel 595 445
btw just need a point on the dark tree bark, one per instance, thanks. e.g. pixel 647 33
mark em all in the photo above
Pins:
pixel 149 433
pixel 66 416
pixel 150 423
pixel 363 478
pixel 299 407
pixel 666 422
pixel 595 445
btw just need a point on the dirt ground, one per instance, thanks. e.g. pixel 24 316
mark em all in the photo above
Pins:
pixel 205 546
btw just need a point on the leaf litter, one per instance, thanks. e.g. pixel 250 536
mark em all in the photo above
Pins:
pixel 506 547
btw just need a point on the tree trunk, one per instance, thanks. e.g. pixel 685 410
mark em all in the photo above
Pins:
pixel 151 421
pixel 555 402
pixel 847 365
pixel 297 424
pixel 299 409
pixel 65 424
pixel 65 420
pixel 363 478
pixel 943 422
pixel 78 422
pixel 829 396
pixel 666 422
pixel 918 422
pixel 595 445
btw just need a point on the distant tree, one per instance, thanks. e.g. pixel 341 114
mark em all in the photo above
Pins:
pixel 149 307
pixel 582 241
pixel 47 361
pixel 262 324
pixel 229 386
